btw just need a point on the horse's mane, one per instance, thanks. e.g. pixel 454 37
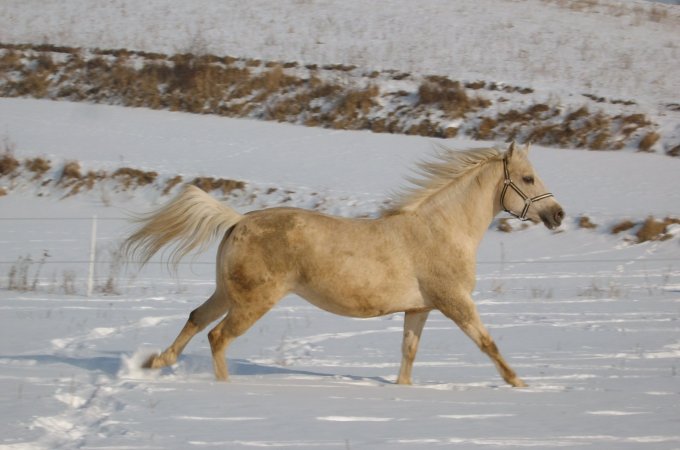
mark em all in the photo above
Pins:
pixel 445 168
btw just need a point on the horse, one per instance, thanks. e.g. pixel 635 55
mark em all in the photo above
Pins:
pixel 417 256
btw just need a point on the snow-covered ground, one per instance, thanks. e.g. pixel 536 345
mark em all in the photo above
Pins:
pixel 609 48
pixel 588 319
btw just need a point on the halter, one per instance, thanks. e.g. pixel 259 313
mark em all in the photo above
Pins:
pixel 528 201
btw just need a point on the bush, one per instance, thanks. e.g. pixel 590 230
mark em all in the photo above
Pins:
pixel 648 141
pixel 8 164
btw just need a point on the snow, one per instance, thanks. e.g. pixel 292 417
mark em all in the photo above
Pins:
pixel 589 320
pixel 613 49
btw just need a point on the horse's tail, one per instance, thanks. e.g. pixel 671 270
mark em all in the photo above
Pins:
pixel 190 221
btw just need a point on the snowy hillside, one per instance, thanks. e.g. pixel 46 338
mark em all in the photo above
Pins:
pixel 608 48
pixel 589 317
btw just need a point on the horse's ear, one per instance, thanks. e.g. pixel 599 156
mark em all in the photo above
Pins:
pixel 510 151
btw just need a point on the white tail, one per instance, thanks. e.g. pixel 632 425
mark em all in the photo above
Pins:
pixel 191 221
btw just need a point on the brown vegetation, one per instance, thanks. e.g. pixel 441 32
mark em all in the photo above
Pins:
pixel 504 225
pixel 8 164
pixel 311 95
pixel 655 230
pixel 134 177
pixel 210 184
pixel 584 222
pixel 648 141
pixel 70 172
pixel 622 226
pixel 450 96
pixel 171 183
pixel 38 166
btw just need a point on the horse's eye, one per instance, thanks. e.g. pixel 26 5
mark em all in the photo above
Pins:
pixel 528 179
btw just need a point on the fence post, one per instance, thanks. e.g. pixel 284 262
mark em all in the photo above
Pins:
pixel 93 245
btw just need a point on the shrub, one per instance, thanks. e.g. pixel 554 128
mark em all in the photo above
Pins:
pixel 584 222
pixel 70 172
pixel 38 166
pixel 485 129
pixel 652 230
pixel 129 176
pixel 209 184
pixel 675 151
pixel 648 141
pixel 504 225
pixel 171 183
pixel 622 226
pixel 8 164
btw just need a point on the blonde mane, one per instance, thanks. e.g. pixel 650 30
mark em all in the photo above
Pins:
pixel 446 168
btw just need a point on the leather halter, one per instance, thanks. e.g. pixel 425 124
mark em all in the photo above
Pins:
pixel 528 201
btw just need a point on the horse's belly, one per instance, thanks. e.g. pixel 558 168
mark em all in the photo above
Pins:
pixel 352 301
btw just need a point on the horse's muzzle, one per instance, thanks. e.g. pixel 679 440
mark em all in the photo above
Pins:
pixel 552 218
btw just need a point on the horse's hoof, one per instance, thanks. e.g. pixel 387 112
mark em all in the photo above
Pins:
pixel 149 363
pixel 518 383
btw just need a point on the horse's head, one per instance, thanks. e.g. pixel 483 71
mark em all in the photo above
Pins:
pixel 523 193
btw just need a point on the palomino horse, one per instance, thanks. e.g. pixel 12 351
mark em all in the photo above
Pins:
pixel 415 257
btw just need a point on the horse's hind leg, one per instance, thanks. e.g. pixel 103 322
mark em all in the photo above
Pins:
pixel 208 312
pixel 244 312
pixel 464 313
pixel 413 327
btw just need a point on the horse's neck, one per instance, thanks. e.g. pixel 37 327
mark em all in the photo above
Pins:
pixel 467 206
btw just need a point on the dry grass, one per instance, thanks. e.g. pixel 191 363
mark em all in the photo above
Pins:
pixel 8 164
pixel 648 141
pixel 675 151
pixel 171 183
pixel 70 172
pixel 450 96
pixel 341 97
pixel 38 166
pixel 504 225
pixel 652 230
pixel 134 177
pixel 209 184
pixel 584 222
pixel 655 230
pixel 622 226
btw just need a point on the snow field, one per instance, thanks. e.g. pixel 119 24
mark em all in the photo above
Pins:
pixel 588 319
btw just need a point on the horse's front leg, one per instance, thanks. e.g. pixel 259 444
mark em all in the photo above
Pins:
pixel 462 310
pixel 413 327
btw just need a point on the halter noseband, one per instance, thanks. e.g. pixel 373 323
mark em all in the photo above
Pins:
pixel 528 201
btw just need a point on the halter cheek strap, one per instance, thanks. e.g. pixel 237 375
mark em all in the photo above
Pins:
pixel 528 201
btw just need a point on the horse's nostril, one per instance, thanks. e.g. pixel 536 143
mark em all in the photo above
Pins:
pixel 559 215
